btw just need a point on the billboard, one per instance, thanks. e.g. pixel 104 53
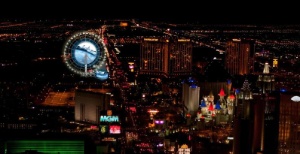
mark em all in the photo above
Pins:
pixel 105 118
pixel 183 40
pixel 103 129
pixel 151 39
pixel 115 129
pixel 132 109
pixel 109 117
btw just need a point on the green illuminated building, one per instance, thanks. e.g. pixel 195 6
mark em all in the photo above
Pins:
pixel 44 146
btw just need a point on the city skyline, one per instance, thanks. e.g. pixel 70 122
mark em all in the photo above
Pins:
pixel 187 11
pixel 36 84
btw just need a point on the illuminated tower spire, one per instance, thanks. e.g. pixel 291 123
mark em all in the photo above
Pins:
pixel 217 106
pixel 247 90
pixel 222 93
pixel 203 103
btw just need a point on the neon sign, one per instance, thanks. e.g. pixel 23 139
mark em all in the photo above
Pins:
pixel 159 121
pixel 114 129
pixel 104 118
pixel 183 40
pixel 150 39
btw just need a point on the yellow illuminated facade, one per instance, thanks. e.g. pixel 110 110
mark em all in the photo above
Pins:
pixel 239 56
pixel 154 57
pixel 289 125
pixel 166 57
pixel 275 62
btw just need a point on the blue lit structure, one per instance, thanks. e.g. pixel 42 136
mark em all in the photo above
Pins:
pixel 85 54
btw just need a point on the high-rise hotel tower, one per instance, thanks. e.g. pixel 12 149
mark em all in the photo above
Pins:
pixel 239 56
pixel 166 57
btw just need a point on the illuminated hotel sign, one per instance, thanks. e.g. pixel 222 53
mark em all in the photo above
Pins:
pixel 151 39
pixel 123 24
pixel 109 117
pixel 183 40
pixel 109 139
pixel 153 111
pixel 115 129
pixel 104 118
pixel 236 40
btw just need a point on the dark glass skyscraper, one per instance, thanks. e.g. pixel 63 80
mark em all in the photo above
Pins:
pixel 243 121
pixel 256 117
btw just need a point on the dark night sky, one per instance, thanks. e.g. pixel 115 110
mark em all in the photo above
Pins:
pixel 187 10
